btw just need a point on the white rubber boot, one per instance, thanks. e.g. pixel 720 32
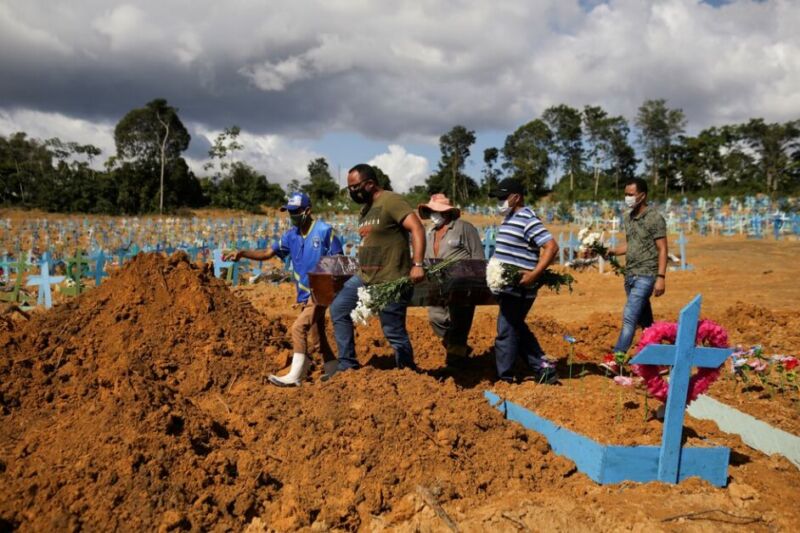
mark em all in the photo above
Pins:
pixel 297 372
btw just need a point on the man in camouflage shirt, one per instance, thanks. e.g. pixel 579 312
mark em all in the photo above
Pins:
pixel 645 252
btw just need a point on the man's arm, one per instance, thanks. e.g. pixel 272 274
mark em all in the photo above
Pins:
pixel 413 225
pixel 255 255
pixel 547 254
pixel 661 284
pixel 474 243
pixel 619 250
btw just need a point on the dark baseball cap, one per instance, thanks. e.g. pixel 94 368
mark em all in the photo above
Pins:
pixel 506 188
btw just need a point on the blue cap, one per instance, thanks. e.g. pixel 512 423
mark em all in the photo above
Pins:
pixel 297 200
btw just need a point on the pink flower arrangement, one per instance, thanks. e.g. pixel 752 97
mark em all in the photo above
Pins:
pixel 708 334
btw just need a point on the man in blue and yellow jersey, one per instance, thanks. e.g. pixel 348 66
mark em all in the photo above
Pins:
pixel 305 243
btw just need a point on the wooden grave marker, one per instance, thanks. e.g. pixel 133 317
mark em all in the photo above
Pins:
pixel 16 295
pixel 670 462
pixel 682 242
pixel 76 267
pixel 43 281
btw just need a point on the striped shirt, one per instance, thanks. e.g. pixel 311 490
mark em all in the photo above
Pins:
pixel 519 239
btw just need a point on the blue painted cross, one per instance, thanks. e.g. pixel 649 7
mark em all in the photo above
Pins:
pixel 682 242
pixel 43 281
pixel 231 266
pixel 4 266
pixel 99 264
pixel 681 357
pixel 562 244
pixel 573 244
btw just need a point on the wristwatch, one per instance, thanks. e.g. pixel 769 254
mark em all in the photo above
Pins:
pixel 417 264
pixel 661 276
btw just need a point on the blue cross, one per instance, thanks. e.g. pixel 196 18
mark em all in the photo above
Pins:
pixel 572 244
pixel 43 281
pixel 99 264
pixel 562 244
pixel 681 356
pixel 4 266
pixel 219 264
pixel 682 242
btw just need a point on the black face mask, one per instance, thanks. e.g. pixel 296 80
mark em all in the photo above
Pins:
pixel 359 196
pixel 297 219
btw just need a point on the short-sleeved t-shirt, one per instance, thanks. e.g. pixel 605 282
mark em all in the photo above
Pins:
pixel 641 233
pixel 519 239
pixel 384 254
pixel 306 251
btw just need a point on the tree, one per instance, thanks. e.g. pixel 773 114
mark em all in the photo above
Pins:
pixel 699 160
pixel 565 123
pixel 321 185
pixel 774 144
pixel 623 156
pixel 243 188
pixel 526 156
pixel 597 126
pixel 659 127
pixel 223 150
pixel 490 173
pixel 152 137
pixel 455 148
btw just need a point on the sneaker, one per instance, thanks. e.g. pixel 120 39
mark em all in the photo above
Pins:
pixel 610 364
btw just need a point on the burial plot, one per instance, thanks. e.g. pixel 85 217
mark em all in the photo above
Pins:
pixel 669 463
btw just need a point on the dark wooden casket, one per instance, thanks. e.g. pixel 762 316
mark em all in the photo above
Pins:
pixel 463 282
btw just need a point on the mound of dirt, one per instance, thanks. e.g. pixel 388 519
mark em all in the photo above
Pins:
pixel 749 324
pixel 141 405
pixel 93 390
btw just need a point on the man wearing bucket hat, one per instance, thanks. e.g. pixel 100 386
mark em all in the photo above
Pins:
pixel 450 237
pixel 305 243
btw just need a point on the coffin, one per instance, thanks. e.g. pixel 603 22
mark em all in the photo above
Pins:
pixel 462 283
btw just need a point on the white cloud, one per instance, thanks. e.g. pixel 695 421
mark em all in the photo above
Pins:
pixel 41 125
pixel 280 159
pixel 393 71
pixel 404 169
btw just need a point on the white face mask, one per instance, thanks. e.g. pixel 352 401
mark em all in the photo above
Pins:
pixel 438 220
pixel 504 208
pixel 630 200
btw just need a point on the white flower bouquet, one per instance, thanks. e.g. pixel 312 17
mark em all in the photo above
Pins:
pixel 373 298
pixel 592 244
pixel 500 275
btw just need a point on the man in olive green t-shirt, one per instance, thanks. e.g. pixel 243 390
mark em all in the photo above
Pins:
pixel 645 252
pixel 386 226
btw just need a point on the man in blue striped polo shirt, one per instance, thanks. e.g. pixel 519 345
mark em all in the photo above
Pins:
pixel 522 241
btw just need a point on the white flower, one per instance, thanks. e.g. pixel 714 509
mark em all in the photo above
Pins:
pixel 362 311
pixel 495 275
pixel 589 239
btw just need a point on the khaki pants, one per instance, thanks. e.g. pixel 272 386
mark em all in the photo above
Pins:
pixel 308 332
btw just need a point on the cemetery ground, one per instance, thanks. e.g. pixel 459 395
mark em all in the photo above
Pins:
pixel 142 405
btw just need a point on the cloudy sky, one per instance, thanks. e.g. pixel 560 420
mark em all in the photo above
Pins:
pixel 354 80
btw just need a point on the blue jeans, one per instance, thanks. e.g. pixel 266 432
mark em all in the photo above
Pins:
pixel 637 308
pixel 514 337
pixel 393 323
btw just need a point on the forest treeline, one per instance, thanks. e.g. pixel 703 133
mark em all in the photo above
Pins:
pixel 569 153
